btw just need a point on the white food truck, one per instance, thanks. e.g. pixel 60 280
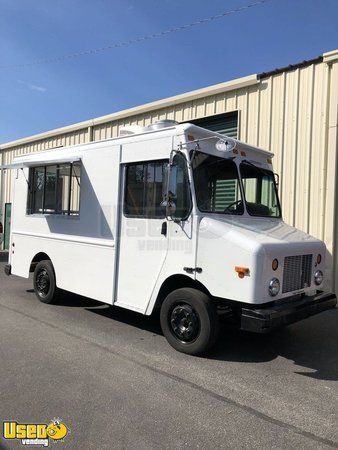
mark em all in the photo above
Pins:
pixel 170 217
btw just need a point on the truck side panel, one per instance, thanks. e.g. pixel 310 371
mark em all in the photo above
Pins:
pixel 86 242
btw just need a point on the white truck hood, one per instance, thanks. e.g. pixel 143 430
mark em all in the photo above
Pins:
pixel 229 241
pixel 259 235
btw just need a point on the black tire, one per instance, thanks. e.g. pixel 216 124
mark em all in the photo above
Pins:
pixel 44 282
pixel 189 321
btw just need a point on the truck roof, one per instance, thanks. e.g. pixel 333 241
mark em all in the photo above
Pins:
pixel 73 153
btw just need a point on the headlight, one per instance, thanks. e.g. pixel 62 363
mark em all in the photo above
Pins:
pixel 318 277
pixel 274 287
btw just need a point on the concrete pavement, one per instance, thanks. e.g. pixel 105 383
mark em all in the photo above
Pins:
pixel 114 380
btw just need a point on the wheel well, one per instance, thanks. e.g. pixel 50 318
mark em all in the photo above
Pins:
pixel 37 258
pixel 177 282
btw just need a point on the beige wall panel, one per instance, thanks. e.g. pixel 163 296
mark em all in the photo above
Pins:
pixel 170 114
pixel 230 101
pixel 290 146
pixel 198 109
pixel 331 201
pixel 219 103
pixel 179 113
pixel 253 115
pixel 242 106
pixel 210 106
pixel 162 114
pixel 264 120
pixel 277 124
pixel 318 165
pixel 303 145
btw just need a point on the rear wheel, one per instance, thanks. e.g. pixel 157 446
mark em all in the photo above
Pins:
pixel 189 321
pixel 44 282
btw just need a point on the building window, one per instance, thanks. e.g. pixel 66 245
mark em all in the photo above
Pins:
pixel 144 185
pixel 54 189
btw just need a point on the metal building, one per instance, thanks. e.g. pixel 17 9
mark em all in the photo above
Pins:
pixel 292 111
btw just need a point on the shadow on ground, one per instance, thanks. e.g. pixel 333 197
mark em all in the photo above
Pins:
pixel 311 344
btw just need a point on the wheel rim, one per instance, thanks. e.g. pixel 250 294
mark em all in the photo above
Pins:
pixel 184 323
pixel 42 283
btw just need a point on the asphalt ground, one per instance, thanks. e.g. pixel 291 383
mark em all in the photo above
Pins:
pixel 110 375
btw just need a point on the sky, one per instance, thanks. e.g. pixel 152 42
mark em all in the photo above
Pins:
pixel 39 97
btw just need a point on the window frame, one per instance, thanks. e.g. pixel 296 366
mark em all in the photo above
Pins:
pixel 30 195
pixel 125 180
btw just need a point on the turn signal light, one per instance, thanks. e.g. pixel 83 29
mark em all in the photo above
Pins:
pixel 319 257
pixel 274 264
pixel 242 271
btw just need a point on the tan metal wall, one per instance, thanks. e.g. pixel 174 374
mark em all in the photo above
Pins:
pixel 293 114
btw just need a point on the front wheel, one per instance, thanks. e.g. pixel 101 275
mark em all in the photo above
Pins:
pixel 44 282
pixel 189 321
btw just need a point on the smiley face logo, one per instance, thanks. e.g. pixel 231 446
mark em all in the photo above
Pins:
pixel 57 430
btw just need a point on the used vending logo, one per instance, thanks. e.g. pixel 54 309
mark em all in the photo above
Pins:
pixel 35 433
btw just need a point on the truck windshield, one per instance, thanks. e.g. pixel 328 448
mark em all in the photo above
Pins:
pixel 260 191
pixel 217 184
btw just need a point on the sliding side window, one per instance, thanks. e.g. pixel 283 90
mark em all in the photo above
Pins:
pixel 54 189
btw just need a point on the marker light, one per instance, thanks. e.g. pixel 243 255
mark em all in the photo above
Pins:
pixel 319 258
pixel 274 264
pixel 242 271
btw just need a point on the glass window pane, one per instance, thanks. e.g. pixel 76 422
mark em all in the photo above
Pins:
pixel 50 190
pixel 154 190
pixel 63 189
pixel 75 190
pixel 144 189
pixel 260 191
pixel 217 184
pixel 38 186
pixel 135 177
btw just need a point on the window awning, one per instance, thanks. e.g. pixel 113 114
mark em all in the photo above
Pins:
pixel 40 160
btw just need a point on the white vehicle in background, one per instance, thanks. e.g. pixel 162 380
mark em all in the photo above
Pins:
pixel 171 217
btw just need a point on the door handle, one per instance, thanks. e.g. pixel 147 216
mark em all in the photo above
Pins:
pixel 164 228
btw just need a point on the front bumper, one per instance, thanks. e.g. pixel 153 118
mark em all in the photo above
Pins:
pixel 263 320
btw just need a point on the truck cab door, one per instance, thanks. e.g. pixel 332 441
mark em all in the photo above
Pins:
pixel 143 242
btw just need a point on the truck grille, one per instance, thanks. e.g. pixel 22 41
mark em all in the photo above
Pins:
pixel 297 272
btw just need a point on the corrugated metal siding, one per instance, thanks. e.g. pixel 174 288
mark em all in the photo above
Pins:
pixel 293 114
